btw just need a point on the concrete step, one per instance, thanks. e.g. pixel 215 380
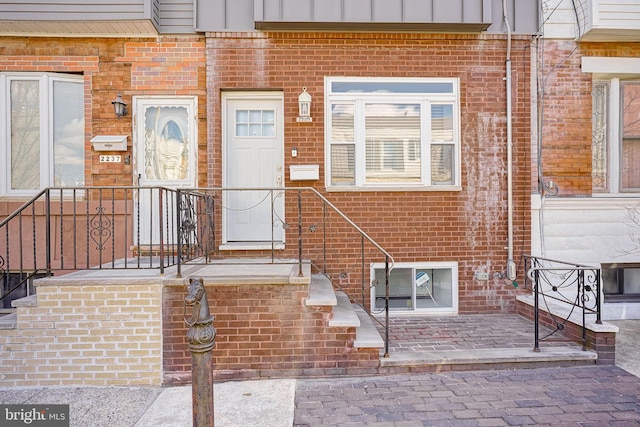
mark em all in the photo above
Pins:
pixel 343 313
pixel 321 291
pixel 367 335
pixel 9 321
pixel 495 358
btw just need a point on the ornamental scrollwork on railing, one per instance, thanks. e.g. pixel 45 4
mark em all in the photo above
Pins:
pixel 100 228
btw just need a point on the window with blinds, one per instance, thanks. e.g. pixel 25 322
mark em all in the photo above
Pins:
pixel 392 132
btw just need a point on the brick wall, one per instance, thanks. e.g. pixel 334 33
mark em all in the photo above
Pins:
pixel 85 333
pixel 468 226
pixel 566 124
pixel 263 331
pixel 132 67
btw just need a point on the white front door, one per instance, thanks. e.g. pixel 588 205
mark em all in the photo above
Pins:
pixel 253 158
pixel 165 153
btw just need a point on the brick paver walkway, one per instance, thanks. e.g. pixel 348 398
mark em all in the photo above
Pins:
pixel 416 333
pixel 589 396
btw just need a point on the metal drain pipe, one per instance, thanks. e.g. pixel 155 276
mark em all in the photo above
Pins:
pixel 511 266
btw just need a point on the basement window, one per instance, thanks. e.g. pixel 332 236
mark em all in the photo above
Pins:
pixel 416 287
pixel 621 282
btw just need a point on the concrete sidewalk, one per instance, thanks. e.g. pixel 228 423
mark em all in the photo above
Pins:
pixel 268 403
pixel 263 403
pixel 608 395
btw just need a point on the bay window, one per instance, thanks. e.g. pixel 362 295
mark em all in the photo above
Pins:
pixel 392 133
pixel 43 140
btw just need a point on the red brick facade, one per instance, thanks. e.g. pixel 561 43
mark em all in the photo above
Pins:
pixel 132 67
pixel 263 331
pixel 566 127
pixel 468 226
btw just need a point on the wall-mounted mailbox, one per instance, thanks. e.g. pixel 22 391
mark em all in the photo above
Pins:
pixel 304 172
pixel 109 143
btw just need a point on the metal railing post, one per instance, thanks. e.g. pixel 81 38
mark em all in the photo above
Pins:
pixel 536 315
pixel 161 233
pixel 179 232
pixel 386 306
pixel 598 299
pixel 47 198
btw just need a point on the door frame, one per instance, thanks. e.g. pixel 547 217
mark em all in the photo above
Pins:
pixel 226 96
pixel 140 103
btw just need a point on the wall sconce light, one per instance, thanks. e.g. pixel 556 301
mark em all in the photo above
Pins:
pixel 119 106
pixel 304 106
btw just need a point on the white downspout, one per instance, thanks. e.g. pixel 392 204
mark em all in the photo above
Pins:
pixel 511 265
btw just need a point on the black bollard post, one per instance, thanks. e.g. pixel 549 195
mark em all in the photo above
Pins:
pixel 200 336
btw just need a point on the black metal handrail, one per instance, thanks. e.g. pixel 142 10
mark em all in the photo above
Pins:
pixel 318 232
pixel 98 228
pixel 89 228
pixel 573 285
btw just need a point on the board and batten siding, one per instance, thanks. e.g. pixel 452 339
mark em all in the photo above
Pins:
pixel 242 15
pixel 176 16
pixel 74 10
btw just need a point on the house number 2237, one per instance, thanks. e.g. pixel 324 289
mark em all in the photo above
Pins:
pixel 110 159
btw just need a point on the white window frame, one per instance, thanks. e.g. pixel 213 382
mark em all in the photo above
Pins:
pixel 45 83
pixel 613 70
pixel 424 99
pixel 444 265
pixel 614 138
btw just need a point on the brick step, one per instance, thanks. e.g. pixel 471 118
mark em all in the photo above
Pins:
pixel 9 320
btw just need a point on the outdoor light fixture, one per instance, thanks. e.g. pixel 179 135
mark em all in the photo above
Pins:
pixel 304 106
pixel 120 106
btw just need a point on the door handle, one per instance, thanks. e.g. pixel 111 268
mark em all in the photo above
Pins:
pixel 279 180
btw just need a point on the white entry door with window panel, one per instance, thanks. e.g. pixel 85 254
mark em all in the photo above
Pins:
pixel 164 149
pixel 253 159
pixel 416 287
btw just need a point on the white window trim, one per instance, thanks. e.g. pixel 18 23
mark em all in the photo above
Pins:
pixel 45 82
pixel 452 265
pixel 612 70
pixel 425 157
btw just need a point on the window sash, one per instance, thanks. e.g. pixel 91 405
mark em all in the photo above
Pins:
pixel 630 136
pixel 44 137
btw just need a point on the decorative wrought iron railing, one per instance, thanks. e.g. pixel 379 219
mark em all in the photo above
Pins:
pixel 575 288
pixel 97 228
pixel 101 228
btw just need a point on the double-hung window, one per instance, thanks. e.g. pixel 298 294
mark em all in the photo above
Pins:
pixel 392 133
pixel 616 136
pixel 42 137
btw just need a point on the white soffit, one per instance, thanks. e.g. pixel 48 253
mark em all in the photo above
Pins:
pixel 610 65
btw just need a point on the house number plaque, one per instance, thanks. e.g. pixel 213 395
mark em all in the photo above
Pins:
pixel 110 159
